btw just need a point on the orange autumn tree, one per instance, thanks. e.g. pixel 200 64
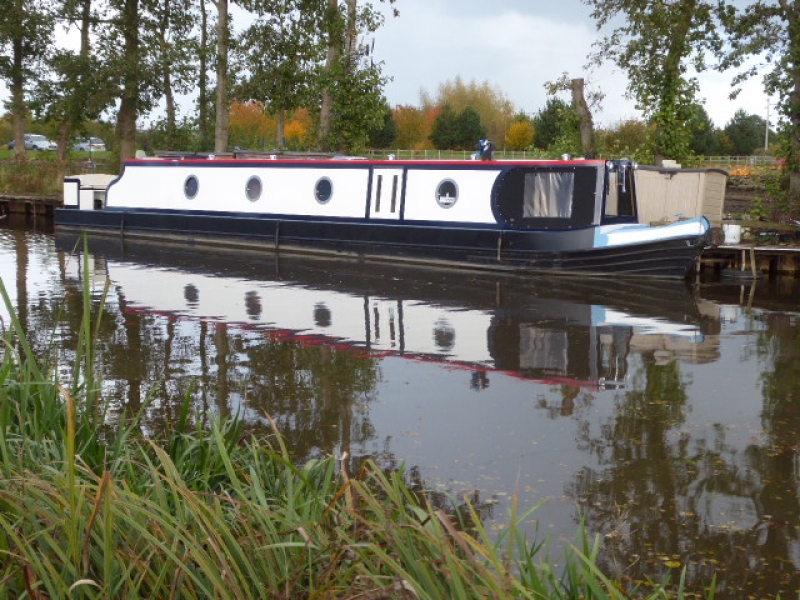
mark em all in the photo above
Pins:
pixel 412 129
pixel 520 135
pixel 250 126
pixel 297 132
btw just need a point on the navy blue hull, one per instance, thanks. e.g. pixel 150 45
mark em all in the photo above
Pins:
pixel 481 247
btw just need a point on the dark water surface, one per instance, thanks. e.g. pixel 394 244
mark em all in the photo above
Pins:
pixel 668 419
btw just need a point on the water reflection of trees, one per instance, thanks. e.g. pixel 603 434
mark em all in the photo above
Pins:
pixel 663 498
pixel 317 395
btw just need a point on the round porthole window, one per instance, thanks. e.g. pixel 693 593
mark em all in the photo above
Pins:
pixel 447 193
pixel 323 190
pixel 192 295
pixel 191 186
pixel 322 315
pixel 444 335
pixel 253 189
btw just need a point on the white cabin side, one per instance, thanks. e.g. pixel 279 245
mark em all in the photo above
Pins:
pixel 351 191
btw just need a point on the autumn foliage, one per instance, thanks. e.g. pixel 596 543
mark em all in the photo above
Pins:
pixel 520 136
pixel 252 127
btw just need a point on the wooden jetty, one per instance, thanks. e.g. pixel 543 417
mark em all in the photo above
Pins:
pixel 28 204
pixel 753 259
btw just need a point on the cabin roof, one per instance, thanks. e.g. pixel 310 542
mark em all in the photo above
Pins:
pixel 193 158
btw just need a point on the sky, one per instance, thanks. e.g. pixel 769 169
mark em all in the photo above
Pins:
pixel 517 46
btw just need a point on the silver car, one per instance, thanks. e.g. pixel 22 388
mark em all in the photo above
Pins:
pixel 93 144
pixel 34 141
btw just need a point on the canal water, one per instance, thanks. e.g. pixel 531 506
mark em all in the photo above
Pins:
pixel 665 418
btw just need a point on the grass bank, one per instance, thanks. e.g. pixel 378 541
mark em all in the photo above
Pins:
pixel 94 509
pixel 42 174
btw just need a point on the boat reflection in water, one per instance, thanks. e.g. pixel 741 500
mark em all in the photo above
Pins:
pixel 569 331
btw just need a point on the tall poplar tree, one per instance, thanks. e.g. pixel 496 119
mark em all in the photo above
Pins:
pixel 351 83
pixel 79 87
pixel 26 31
pixel 656 44
pixel 278 55
pixel 176 55
pixel 222 101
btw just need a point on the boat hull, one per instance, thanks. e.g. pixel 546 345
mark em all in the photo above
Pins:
pixel 469 246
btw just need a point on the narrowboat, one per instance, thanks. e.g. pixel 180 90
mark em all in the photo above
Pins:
pixel 562 216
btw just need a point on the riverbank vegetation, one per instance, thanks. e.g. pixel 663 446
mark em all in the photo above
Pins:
pixel 91 508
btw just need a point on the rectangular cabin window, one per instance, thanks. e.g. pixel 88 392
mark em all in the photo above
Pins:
pixel 394 193
pixel 378 194
pixel 548 194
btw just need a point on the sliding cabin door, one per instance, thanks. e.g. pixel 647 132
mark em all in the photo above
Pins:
pixel 387 193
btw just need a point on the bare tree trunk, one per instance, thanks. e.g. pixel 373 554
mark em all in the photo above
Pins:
pixel 18 108
pixel 585 116
pixel 203 80
pixel 166 77
pixel 334 52
pixel 69 122
pixel 222 128
pixel 129 103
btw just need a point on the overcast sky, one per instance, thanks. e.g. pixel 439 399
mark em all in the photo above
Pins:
pixel 517 46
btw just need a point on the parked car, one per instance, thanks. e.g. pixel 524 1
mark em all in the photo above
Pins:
pixel 93 144
pixel 34 141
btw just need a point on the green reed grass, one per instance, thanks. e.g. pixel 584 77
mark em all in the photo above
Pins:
pixel 91 510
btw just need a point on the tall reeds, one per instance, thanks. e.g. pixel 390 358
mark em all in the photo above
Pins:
pixel 92 509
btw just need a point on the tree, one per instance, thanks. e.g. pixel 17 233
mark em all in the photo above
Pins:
pixel 298 130
pixel 221 123
pixel 385 135
pixel 25 39
pixel 250 127
pixel 79 87
pixel 412 127
pixel 520 135
pixel 204 103
pixel 351 85
pixel 175 50
pixel 656 44
pixel 129 40
pixel 770 30
pixel 495 110
pixel 631 139
pixel 279 54
pixel 704 141
pixel 746 132
pixel 457 131
pixel 583 109
pixel 554 122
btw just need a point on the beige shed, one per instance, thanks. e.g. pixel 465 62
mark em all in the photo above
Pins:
pixel 667 194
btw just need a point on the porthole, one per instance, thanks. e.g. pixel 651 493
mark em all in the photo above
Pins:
pixel 447 193
pixel 191 186
pixel 323 190
pixel 253 188
pixel 322 315
pixel 192 295
pixel 444 335
pixel 252 304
